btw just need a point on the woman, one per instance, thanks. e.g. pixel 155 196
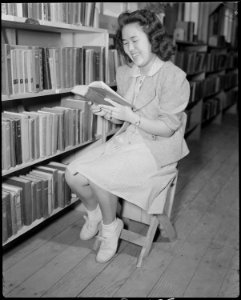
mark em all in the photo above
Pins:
pixel 140 160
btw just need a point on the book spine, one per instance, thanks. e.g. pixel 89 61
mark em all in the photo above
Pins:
pixel 4 218
pixel 9 216
pixel 18 146
pixel 14 71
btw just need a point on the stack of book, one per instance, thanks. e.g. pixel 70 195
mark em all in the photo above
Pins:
pixel 76 13
pixel 33 196
pixel 31 69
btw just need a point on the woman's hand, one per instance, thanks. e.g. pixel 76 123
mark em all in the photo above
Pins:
pixel 117 111
pixel 96 109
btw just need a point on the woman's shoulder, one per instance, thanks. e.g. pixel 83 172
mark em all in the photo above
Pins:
pixel 172 69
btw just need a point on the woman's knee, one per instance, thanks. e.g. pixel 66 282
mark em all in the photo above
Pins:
pixel 75 180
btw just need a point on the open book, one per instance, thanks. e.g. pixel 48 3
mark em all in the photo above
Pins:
pixel 96 91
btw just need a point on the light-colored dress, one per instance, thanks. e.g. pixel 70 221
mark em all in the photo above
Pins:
pixel 133 164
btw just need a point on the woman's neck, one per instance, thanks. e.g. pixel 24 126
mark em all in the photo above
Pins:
pixel 144 70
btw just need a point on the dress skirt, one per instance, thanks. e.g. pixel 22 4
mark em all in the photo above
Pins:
pixel 125 167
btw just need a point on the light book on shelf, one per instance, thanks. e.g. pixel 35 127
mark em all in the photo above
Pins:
pixel 15 196
pixel 26 204
pixel 96 91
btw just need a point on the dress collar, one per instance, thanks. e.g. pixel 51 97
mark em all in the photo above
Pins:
pixel 157 64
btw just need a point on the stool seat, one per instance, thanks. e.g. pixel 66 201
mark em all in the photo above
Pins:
pixel 133 212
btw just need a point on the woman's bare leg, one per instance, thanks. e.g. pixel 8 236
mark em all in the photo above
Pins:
pixel 107 202
pixel 80 186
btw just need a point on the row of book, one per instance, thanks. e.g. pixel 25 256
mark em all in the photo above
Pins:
pixel 31 69
pixel 212 85
pixel 193 62
pixel 221 61
pixel 33 196
pixel 211 108
pixel 29 135
pixel 77 13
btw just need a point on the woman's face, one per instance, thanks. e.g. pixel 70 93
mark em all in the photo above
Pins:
pixel 136 44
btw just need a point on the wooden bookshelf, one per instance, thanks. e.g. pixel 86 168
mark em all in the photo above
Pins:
pixel 215 77
pixel 49 34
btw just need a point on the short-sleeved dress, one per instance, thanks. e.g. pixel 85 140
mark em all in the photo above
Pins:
pixel 133 164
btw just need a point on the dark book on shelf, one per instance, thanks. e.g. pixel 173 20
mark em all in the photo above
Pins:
pixel 55 182
pixel 12 125
pixel 67 193
pixel 49 178
pixel 39 200
pixel 61 186
pixel 6 216
pixel 33 196
pixel 46 69
pixel 6 70
pixel 26 199
pixel 43 205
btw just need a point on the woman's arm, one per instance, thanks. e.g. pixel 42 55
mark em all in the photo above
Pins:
pixel 124 113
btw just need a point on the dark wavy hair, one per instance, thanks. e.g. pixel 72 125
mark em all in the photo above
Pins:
pixel 161 44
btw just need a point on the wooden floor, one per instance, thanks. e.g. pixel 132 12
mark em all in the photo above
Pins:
pixel 202 262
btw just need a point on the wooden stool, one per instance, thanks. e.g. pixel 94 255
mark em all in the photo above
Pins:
pixel 133 212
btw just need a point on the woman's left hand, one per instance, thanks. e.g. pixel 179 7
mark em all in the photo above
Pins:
pixel 117 111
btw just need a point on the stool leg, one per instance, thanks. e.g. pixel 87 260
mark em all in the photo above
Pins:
pixel 168 227
pixel 148 240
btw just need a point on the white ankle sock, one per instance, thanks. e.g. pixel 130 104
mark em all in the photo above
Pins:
pixel 94 214
pixel 108 229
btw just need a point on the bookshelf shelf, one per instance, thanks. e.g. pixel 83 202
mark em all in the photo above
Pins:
pixel 37 222
pixel 34 95
pixel 31 163
pixel 19 23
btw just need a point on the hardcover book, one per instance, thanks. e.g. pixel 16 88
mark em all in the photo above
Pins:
pixel 26 204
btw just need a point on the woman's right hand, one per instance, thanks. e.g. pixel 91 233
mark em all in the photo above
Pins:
pixel 97 110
